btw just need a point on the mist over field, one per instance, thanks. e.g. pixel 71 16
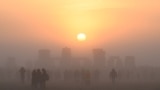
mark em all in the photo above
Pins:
pixel 79 44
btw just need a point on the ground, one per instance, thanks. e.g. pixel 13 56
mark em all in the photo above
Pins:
pixel 93 87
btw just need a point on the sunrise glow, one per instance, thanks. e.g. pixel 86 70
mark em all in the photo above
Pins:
pixel 81 37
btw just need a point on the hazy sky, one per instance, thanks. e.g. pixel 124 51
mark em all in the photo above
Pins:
pixel 121 27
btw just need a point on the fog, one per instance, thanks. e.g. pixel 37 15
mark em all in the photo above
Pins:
pixel 22 38
pixel 39 49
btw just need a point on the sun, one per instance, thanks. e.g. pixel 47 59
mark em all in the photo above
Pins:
pixel 81 37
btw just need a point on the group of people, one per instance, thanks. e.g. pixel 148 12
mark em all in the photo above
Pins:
pixel 39 78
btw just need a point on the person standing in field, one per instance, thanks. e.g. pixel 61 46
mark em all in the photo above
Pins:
pixel 44 78
pixel 34 83
pixel 113 76
pixel 22 74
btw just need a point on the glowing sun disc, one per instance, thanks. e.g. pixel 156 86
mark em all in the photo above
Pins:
pixel 81 37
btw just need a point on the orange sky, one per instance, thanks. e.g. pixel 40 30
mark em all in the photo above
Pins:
pixel 107 23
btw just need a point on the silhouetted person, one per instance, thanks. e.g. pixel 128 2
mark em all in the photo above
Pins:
pixel 77 75
pixel 66 75
pixel 38 77
pixel 22 74
pixel 44 78
pixel 87 77
pixel 34 83
pixel 96 75
pixel 28 75
pixel 113 75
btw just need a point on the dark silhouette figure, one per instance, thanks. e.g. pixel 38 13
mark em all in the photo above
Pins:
pixel 113 75
pixel 87 77
pixel 96 75
pixel 43 79
pixel 36 78
pixel 34 83
pixel 77 75
pixel 22 74
pixel 28 75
